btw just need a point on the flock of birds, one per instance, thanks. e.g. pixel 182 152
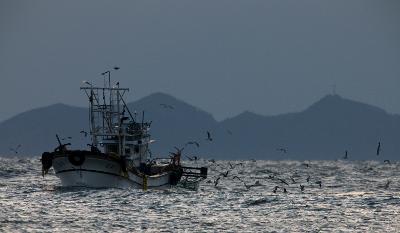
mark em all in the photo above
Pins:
pixel 281 182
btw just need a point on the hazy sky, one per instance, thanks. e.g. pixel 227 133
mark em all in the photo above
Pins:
pixel 225 57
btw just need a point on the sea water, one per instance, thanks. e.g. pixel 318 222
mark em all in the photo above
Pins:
pixel 360 196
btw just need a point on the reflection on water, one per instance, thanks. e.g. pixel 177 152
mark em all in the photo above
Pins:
pixel 354 196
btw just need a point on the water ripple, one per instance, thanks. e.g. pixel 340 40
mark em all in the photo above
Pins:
pixel 354 196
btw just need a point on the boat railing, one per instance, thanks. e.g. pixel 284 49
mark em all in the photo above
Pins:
pixel 197 172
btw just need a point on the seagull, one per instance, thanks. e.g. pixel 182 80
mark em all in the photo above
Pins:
pixel 86 82
pixel 271 177
pixel 257 183
pixel 387 184
pixel 192 158
pixel 84 133
pixel 283 181
pixel 232 166
pixel 15 150
pixel 236 177
pixel 387 161
pixel 378 150
pixel 284 150
pixel 193 143
pixel 345 155
pixel 319 183
pixel 216 181
pixel 224 174
pixel 209 136
pixel 275 189
pixel 308 179
pixel 167 106
pixel 302 188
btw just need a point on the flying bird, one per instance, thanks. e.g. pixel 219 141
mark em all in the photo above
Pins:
pixel 15 150
pixel 224 174
pixel 86 82
pixel 271 177
pixel 257 183
pixel 209 136
pixel 167 106
pixel 284 150
pixel 302 188
pixel 84 133
pixel 283 181
pixel 216 181
pixel 194 158
pixel 232 166
pixel 378 150
pixel 193 143
pixel 345 155
pixel 387 184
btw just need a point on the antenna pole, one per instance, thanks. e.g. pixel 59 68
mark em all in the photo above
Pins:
pixel 334 89
pixel 58 139
pixel 109 79
pixel 142 118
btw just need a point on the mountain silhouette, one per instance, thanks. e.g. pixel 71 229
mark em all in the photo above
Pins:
pixel 325 130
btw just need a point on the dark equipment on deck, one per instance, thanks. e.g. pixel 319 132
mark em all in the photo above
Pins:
pixel 196 172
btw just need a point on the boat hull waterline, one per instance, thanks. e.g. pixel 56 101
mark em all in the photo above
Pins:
pixel 97 172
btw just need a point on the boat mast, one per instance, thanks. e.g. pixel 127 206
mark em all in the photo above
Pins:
pixel 93 126
pixel 106 116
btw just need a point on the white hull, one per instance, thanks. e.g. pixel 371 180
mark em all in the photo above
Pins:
pixel 97 172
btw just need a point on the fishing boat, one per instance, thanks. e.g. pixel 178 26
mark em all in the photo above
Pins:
pixel 119 155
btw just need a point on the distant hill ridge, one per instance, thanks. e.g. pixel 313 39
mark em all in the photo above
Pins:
pixel 322 131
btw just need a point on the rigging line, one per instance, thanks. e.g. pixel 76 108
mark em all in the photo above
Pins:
pixel 123 101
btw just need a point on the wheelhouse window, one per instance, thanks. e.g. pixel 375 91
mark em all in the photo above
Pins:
pixel 112 148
